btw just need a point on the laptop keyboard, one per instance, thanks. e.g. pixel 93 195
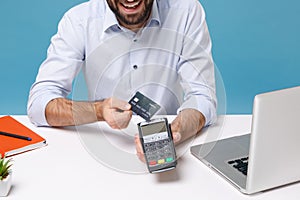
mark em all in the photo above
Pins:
pixel 240 164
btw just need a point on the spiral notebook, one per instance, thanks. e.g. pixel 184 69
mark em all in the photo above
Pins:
pixel 11 145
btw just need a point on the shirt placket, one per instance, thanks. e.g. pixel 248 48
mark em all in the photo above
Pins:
pixel 135 61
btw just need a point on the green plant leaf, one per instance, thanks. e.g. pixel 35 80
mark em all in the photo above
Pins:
pixel 1 163
pixel 5 165
pixel 7 162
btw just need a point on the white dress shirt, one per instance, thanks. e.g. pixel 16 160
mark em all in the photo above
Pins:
pixel 169 60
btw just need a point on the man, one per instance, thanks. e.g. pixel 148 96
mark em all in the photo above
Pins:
pixel 128 45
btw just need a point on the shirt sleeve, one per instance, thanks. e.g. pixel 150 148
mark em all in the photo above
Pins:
pixel 196 67
pixel 65 57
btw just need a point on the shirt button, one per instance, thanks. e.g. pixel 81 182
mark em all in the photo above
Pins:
pixel 135 66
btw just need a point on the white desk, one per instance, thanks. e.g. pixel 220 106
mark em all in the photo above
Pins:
pixel 66 170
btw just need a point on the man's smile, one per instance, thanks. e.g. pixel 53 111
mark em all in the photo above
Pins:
pixel 130 6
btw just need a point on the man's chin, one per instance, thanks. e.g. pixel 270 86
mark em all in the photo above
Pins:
pixel 133 22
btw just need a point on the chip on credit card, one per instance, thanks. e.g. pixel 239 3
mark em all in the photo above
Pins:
pixel 143 106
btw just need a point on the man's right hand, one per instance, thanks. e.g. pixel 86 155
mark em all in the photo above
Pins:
pixel 65 112
pixel 115 112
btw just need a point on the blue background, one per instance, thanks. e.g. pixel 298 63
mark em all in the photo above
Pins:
pixel 255 46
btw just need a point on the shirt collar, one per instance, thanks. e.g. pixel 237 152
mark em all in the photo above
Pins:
pixel 155 14
pixel 110 20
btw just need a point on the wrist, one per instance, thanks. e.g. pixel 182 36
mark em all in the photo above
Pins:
pixel 202 122
pixel 98 107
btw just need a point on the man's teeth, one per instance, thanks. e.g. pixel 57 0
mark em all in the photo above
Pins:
pixel 133 5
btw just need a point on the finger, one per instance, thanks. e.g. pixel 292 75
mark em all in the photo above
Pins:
pixel 175 132
pixel 141 157
pixel 175 125
pixel 138 145
pixel 176 137
pixel 127 118
pixel 120 120
pixel 120 104
pixel 139 149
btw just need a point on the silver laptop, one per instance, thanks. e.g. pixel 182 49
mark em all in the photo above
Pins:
pixel 269 156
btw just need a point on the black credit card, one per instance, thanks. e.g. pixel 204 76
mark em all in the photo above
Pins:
pixel 143 106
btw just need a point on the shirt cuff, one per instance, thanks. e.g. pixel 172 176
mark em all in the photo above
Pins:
pixel 36 110
pixel 206 107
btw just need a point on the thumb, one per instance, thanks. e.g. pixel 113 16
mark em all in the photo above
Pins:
pixel 122 105
pixel 176 137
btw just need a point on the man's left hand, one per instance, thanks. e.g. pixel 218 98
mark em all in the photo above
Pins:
pixel 187 124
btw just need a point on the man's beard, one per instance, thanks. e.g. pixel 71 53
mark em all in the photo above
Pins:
pixel 133 19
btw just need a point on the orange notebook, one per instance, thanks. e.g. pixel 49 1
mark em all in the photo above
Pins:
pixel 10 145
